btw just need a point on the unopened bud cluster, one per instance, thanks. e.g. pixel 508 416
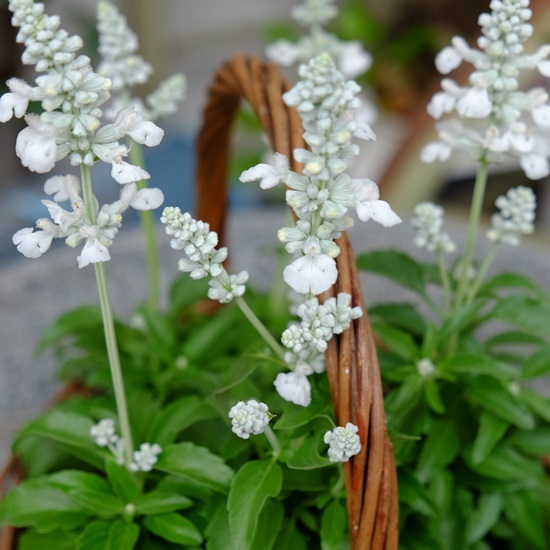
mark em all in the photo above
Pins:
pixel 104 435
pixel 250 418
pixel 516 216
pixel 344 442
pixel 203 259
pixel 428 223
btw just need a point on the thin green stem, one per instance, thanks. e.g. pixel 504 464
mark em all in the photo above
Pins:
pixel 475 214
pixel 260 327
pixel 339 485
pixel 109 326
pixel 482 273
pixel 148 226
pixel 444 280
pixel 273 441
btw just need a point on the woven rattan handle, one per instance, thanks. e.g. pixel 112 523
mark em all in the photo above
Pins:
pixel 351 360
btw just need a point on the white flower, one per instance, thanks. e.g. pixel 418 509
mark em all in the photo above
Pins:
pixel 447 60
pixel 123 172
pixel 269 175
pixel 36 145
pixel 282 52
pixel 224 288
pixel 61 216
pixel 104 432
pixel 250 418
pixel 428 222
pixel 314 272
pixel 63 188
pixel 146 457
pixel 343 443
pixel 131 123
pixel 435 151
pixel 535 166
pixel 146 199
pixel 369 206
pixel 32 244
pixel 93 252
pixel 475 103
pixel 16 101
pixel 353 60
pixel 293 387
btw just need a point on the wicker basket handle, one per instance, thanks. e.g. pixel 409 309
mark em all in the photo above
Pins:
pixel 351 360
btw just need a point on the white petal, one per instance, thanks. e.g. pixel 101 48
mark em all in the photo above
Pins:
pixel 93 252
pixel 435 151
pixel 378 211
pixel 293 387
pixel 544 68
pixel 447 60
pixel 147 199
pixel 439 104
pixel 475 103
pixel 364 131
pixel 32 245
pixel 36 146
pixel 124 173
pixel 541 116
pixel 535 166
pixel 146 133
pixel 353 60
pixel 311 274
pixel 63 188
pixel 282 52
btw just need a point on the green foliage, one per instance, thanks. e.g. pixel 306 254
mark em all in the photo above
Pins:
pixel 469 436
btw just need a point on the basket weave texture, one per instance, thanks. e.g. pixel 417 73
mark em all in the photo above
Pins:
pixel 351 361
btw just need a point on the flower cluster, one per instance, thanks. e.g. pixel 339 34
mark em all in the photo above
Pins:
pixel 120 63
pixel 76 226
pixel 343 443
pixel 428 221
pixel 203 259
pixel 249 418
pixel 71 95
pixel 351 58
pixel 322 195
pixel 516 217
pixel 496 119
pixel 104 435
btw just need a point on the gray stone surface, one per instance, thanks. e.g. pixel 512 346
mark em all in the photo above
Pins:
pixel 34 292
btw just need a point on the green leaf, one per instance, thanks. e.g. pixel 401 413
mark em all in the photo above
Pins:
pixel 174 528
pixel 491 430
pixel 75 320
pixel 413 494
pixel 496 398
pixel 123 483
pixel 36 503
pixel 307 457
pixel 535 442
pixel 333 526
pixel 160 327
pixel 397 266
pixel 290 538
pixel 56 540
pixel 178 416
pixel 160 502
pixel 442 490
pixel 252 485
pixel 433 396
pixel 440 448
pixel 487 513
pixel 511 281
pixel 89 490
pixel 218 536
pixel 513 337
pixel 524 511
pixel 109 535
pixel 477 364
pixel 462 318
pixel 295 416
pixel 69 429
pixel 539 404
pixel 506 464
pixel 537 365
pixel 269 525
pixel 185 291
pixel 197 463
pixel 397 341
pixel 403 316
pixel 531 314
